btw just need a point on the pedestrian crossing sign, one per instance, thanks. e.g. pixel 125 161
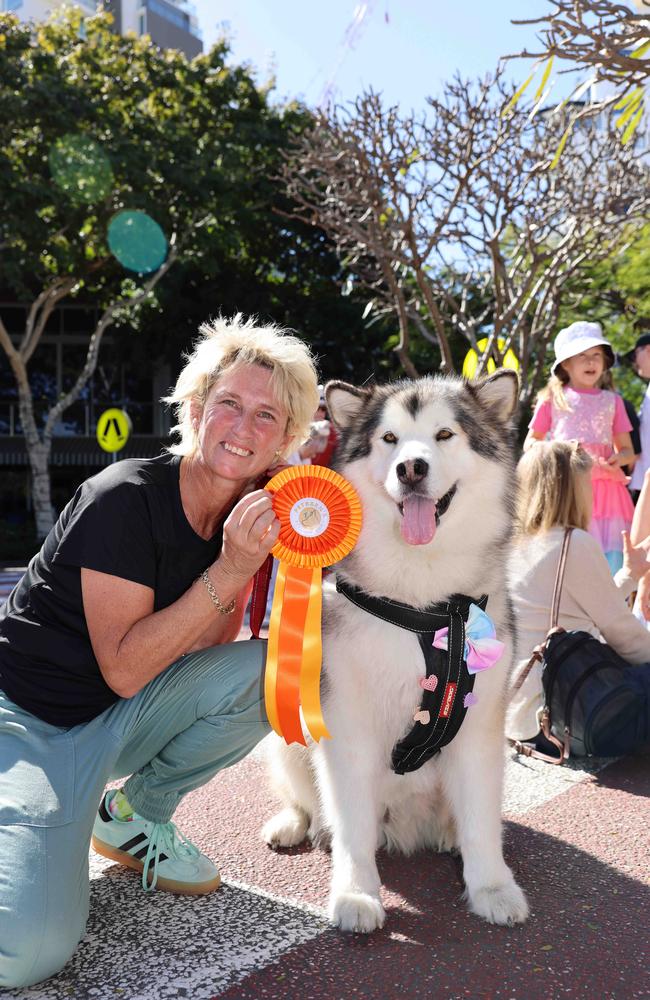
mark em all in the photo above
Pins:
pixel 113 429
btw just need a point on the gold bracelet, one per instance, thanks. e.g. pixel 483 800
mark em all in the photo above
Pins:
pixel 214 597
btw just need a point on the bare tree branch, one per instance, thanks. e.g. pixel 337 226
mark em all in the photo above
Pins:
pixel 454 222
pixel 607 39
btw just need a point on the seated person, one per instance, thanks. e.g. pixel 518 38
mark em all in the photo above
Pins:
pixel 554 494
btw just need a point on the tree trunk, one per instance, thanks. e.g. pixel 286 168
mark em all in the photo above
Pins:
pixel 38 453
pixel 39 445
pixel 39 459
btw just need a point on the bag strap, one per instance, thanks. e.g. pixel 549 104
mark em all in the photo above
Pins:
pixel 537 656
pixel 559 580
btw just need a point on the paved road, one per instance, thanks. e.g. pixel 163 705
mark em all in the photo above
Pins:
pixel 577 838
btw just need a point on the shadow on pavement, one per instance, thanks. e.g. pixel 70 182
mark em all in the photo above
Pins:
pixel 586 937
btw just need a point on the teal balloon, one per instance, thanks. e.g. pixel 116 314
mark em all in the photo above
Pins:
pixel 80 167
pixel 137 241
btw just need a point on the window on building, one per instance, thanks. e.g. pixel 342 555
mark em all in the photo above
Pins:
pixel 170 14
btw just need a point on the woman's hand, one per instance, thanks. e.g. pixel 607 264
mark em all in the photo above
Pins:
pixel 643 596
pixel 249 533
pixel 635 557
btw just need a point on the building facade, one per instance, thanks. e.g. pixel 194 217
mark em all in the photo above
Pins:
pixel 171 24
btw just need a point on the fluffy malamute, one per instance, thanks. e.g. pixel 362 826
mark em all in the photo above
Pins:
pixel 432 462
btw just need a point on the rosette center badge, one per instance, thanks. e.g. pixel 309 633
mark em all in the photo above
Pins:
pixel 309 517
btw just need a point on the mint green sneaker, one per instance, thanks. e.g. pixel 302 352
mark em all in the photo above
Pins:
pixel 166 858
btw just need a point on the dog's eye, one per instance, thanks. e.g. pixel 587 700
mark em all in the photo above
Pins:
pixel 389 438
pixel 444 434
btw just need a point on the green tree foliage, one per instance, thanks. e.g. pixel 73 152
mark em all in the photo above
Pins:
pixel 94 123
pixel 615 292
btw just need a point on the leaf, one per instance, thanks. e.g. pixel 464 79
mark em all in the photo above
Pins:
pixel 630 110
pixel 625 100
pixel 641 51
pixel 545 76
pixel 631 128
pixel 368 309
pixel 517 94
pixel 563 142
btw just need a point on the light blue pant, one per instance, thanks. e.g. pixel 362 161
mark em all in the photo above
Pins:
pixel 202 714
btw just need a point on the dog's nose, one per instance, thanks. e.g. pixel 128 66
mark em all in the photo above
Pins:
pixel 413 470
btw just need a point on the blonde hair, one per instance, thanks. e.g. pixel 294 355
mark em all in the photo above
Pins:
pixel 554 388
pixel 228 344
pixel 549 492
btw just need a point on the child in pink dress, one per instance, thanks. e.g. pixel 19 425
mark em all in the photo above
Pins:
pixel 573 407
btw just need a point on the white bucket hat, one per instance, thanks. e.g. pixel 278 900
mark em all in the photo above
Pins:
pixel 580 336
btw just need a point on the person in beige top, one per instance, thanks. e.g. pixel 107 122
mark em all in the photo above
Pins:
pixel 555 493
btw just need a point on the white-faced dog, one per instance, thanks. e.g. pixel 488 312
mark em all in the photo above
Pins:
pixel 416 752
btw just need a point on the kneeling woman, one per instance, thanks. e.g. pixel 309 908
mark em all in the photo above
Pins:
pixel 554 481
pixel 116 648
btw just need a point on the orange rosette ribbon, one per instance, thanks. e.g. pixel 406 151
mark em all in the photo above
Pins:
pixel 320 518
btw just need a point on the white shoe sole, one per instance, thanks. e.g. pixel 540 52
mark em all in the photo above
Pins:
pixel 166 884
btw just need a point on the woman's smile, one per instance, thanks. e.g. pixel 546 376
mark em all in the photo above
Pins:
pixel 235 450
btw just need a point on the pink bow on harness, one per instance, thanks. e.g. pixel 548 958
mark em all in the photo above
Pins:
pixel 482 648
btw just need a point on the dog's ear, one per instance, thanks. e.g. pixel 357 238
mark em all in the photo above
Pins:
pixel 499 392
pixel 345 402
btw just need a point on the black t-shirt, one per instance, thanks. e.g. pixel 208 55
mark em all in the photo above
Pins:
pixel 128 521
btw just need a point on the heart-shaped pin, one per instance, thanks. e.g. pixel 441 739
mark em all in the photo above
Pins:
pixel 429 683
pixel 470 699
pixel 424 717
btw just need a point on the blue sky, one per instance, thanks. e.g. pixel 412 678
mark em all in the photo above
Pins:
pixel 404 49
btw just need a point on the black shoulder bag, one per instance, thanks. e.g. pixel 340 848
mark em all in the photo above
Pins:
pixel 595 703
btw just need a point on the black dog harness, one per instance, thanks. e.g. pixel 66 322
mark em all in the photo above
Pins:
pixel 441 711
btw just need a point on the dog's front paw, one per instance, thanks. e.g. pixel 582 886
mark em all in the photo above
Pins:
pixel 500 904
pixel 321 838
pixel 356 912
pixel 286 829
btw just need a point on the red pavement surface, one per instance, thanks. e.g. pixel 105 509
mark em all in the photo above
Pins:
pixel 583 858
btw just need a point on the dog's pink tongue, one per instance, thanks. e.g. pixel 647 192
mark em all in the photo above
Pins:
pixel 419 521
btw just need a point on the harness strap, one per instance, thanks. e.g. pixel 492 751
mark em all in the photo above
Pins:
pixel 441 711
pixel 428 619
